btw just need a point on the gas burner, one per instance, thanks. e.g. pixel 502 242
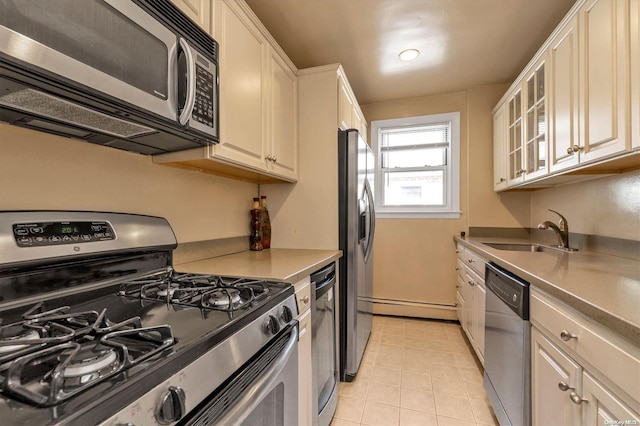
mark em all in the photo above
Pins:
pixel 7 343
pixel 53 355
pixel 224 298
pixel 91 362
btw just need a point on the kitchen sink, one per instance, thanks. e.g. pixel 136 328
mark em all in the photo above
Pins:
pixel 522 247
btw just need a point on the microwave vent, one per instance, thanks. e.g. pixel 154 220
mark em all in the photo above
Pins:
pixel 48 106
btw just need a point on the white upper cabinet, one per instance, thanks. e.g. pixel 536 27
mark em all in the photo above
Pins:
pixel 349 114
pixel 499 149
pixel 580 99
pixel 535 147
pixel 282 150
pixel 634 31
pixel 563 102
pixel 198 10
pixel 243 102
pixel 258 103
pixel 515 130
pixel 603 79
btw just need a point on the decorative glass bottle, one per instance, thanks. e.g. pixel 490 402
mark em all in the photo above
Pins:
pixel 256 226
pixel 266 223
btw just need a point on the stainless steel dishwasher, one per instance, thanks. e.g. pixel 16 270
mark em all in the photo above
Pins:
pixel 323 344
pixel 507 353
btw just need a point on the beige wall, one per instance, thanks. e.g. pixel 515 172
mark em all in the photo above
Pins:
pixel 606 207
pixel 414 259
pixel 41 171
pixel 487 208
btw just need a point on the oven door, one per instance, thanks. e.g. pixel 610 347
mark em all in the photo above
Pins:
pixel 263 392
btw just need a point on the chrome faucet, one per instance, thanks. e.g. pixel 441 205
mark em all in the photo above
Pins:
pixel 561 230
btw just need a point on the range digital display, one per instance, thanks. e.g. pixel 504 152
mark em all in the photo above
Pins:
pixel 55 233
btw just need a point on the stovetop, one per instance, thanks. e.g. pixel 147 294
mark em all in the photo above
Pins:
pixel 66 357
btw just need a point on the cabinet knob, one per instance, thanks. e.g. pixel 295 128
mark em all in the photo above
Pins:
pixel 520 172
pixel 576 399
pixel 500 181
pixel 471 283
pixel 574 149
pixel 566 335
pixel 305 300
pixel 275 159
pixel 470 260
pixel 565 387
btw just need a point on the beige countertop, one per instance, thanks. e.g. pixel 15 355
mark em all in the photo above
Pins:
pixel 602 287
pixel 288 265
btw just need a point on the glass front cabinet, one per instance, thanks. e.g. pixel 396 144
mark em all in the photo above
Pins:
pixel 527 127
pixel 536 141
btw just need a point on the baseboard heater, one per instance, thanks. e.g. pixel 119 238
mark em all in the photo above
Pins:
pixel 443 311
pixel 396 302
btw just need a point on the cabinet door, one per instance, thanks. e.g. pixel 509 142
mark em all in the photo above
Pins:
pixel 604 69
pixel 198 10
pixel 460 310
pixel 467 311
pixel 551 369
pixel 283 147
pixel 635 73
pixel 602 407
pixel 305 388
pixel 563 100
pixel 500 149
pixel 535 121
pixel 479 304
pixel 242 96
pixel 345 106
pixel 515 149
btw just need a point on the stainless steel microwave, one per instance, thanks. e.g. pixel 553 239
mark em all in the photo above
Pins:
pixel 137 75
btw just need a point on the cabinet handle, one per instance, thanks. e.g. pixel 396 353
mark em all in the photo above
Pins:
pixel 575 148
pixel 576 399
pixel 566 335
pixel 565 387
pixel 305 300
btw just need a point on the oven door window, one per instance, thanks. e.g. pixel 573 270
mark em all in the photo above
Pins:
pixel 270 411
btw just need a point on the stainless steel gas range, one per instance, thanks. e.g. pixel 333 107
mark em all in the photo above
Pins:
pixel 96 327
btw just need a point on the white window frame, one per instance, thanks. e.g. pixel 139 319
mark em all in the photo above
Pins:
pixel 451 208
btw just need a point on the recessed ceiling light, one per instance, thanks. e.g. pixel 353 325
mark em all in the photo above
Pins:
pixel 409 55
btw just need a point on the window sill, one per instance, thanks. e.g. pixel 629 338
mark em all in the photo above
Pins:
pixel 417 215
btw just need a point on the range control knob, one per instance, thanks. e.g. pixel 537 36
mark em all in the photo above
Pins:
pixel 286 315
pixel 272 326
pixel 172 406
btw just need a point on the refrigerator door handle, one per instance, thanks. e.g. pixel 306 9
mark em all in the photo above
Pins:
pixel 371 213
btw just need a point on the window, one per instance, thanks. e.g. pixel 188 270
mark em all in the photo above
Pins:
pixel 418 166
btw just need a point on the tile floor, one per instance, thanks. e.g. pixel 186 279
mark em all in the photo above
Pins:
pixel 415 372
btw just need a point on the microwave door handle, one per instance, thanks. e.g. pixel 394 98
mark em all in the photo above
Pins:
pixel 191 84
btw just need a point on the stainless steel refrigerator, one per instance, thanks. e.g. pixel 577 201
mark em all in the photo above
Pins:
pixel 357 227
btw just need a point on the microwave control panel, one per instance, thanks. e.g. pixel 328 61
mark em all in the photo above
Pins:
pixel 203 109
pixel 56 233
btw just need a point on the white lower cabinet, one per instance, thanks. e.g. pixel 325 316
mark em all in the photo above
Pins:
pixel 305 390
pixel 582 373
pixel 554 371
pixel 602 407
pixel 471 295
pixel 305 371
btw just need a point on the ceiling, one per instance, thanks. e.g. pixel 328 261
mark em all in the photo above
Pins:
pixel 463 43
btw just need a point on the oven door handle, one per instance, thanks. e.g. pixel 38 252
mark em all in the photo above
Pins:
pixel 262 386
